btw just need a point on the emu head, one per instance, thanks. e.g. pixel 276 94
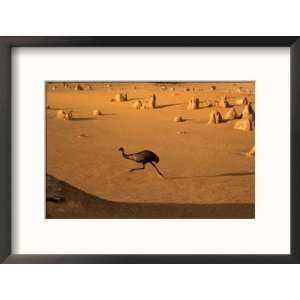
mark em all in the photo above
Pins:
pixel 121 149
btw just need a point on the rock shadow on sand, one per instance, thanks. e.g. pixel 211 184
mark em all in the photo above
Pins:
pixel 235 174
pixel 84 119
pixel 210 176
pixel 167 105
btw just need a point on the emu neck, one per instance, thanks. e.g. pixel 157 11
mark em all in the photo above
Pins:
pixel 124 154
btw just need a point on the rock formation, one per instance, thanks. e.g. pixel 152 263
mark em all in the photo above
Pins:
pixel 241 101
pixel 96 112
pixel 244 124
pixel 138 104
pixel 193 103
pixel 215 117
pixel 178 119
pixel 223 102
pixel 248 112
pixel 231 114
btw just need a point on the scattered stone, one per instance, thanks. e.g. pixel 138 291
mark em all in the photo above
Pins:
pixel 223 102
pixel 121 97
pixel 214 103
pixel 248 112
pixel 181 132
pixel 213 88
pixel 215 117
pixel 242 101
pixel 186 89
pixel 244 124
pixel 193 103
pixel 138 104
pixel 178 119
pixel 205 104
pixel 68 116
pixel 82 135
pixel 151 103
pixel 231 114
pixel 48 107
pixel 96 112
pixel 60 114
pixel 251 152
pixel 78 87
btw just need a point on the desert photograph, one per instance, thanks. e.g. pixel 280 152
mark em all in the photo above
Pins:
pixel 146 150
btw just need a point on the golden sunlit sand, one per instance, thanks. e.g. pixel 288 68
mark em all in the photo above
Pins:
pixel 204 165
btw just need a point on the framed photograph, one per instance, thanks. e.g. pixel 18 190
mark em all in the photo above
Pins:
pixel 149 149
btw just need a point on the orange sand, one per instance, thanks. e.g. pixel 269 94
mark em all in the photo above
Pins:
pixel 206 165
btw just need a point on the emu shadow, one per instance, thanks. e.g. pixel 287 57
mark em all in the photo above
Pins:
pixel 186 177
pixel 235 174
pixel 77 204
pixel 108 114
pixel 209 176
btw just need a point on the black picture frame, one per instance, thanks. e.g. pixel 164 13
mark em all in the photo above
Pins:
pixel 6 45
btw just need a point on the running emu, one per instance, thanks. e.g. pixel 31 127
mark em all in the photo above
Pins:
pixel 142 157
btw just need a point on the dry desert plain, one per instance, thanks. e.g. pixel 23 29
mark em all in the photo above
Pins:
pixel 207 173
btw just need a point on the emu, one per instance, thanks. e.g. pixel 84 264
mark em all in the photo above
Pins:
pixel 142 157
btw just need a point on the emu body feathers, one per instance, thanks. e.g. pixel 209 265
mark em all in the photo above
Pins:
pixel 142 157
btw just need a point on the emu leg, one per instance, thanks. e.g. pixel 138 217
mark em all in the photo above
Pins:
pixel 135 169
pixel 156 168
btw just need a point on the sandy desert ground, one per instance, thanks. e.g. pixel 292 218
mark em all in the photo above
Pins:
pixel 203 164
